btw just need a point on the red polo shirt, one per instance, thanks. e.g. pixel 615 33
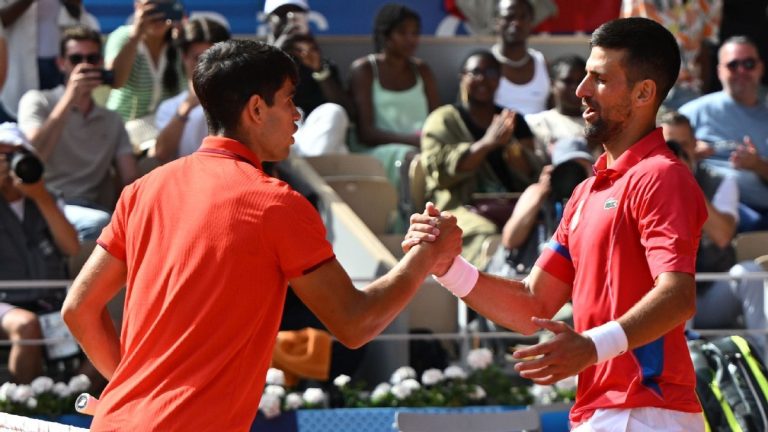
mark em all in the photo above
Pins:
pixel 620 230
pixel 209 242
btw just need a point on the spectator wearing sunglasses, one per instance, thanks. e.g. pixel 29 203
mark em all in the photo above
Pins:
pixel 732 131
pixel 78 140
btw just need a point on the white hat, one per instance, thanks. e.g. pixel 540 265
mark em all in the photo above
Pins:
pixel 11 134
pixel 566 149
pixel 271 5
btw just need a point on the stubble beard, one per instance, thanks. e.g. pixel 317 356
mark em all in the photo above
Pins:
pixel 603 131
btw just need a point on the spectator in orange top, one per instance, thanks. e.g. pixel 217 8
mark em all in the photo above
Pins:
pixel 207 245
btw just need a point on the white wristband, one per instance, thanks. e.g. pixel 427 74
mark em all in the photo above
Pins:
pixel 460 279
pixel 609 339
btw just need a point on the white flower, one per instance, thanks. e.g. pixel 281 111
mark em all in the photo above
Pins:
pixel 455 372
pixel 313 396
pixel 61 390
pixel 431 377
pixel 41 385
pixel 402 374
pixel 480 358
pixel 276 377
pixel 411 384
pixel 293 401
pixel 269 405
pixel 568 383
pixel 543 394
pixel 478 393
pixel 22 393
pixel 79 384
pixel 341 381
pixel 6 391
pixel 380 392
pixel 275 390
pixel 400 391
pixel 31 403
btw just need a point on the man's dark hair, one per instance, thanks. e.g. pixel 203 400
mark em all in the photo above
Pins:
pixel 230 72
pixel 564 63
pixel 78 33
pixel 387 19
pixel 651 51
pixel 674 118
pixel 200 30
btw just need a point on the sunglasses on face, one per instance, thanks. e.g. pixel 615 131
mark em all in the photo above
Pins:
pixel 748 64
pixel 482 73
pixel 76 59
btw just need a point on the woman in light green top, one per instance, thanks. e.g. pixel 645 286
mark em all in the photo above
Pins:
pixel 393 92
pixel 146 65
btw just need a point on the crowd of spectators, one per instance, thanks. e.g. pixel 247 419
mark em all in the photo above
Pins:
pixel 515 127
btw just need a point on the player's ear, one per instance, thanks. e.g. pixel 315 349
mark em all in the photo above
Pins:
pixel 644 92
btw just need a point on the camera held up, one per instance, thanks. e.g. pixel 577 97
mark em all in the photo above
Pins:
pixel 27 167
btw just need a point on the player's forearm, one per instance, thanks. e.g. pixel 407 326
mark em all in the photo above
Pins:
pixel 385 298
pixel 506 302
pixel 97 336
pixel 669 304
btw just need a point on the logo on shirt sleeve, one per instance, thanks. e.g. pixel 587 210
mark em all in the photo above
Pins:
pixel 610 203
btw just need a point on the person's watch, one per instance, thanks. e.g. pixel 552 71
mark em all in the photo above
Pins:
pixel 322 74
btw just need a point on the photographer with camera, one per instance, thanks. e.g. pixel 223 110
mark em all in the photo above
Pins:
pixel 77 140
pixel 540 207
pixel 35 237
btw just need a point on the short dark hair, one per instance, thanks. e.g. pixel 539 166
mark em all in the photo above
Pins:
pixel 484 54
pixel 230 72
pixel 200 30
pixel 674 118
pixel 78 33
pixel 387 19
pixel 651 51
pixel 565 63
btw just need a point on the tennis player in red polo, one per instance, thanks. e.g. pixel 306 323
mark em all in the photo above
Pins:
pixel 624 253
pixel 206 246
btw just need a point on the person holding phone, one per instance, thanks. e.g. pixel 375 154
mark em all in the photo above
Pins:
pixel 78 140
pixel 147 67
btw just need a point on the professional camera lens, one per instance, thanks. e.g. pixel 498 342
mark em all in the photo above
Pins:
pixel 26 166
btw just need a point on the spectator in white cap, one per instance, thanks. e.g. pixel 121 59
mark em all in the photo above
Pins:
pixel 320 95
pixel 35 237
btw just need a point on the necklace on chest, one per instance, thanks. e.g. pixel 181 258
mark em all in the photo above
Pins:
pixel 496 50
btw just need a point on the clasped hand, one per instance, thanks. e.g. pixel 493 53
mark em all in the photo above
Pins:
pixel 439 228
